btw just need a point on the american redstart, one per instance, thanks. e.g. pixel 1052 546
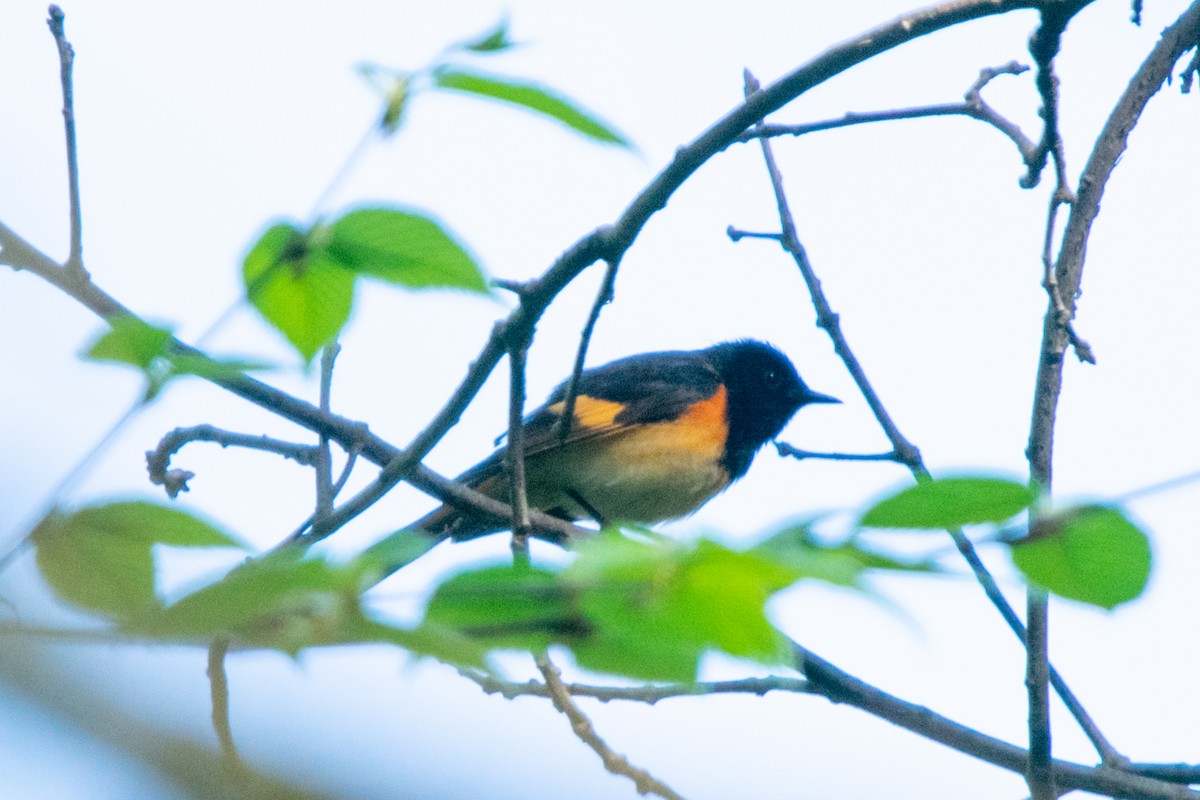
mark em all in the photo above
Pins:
pixel 652 437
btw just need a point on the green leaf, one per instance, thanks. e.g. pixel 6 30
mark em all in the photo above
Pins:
pixel 842 564
pixel 302 292
pixel 402 248
pixel 99 557
pixel 494 41
pixel 434 641
pixel 1093 554
pixel 204 366
pixel 266 599
pixel 505 607
pixel 530 96
pixel 395 104
pixel 130 341
pixel 951 503
pixel 390 554
pixel 654 609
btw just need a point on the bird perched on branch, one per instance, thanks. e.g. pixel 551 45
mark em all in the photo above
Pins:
pixel 652 437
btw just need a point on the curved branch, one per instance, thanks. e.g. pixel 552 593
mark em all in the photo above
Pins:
pixel 840 687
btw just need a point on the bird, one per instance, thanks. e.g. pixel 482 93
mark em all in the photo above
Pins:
pixel 652 437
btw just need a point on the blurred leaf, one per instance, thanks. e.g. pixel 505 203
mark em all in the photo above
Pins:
pixel 842 564
pixel 530 96
pixel 433 641
pixel 655 609
pixel 395 104
pixel 130 341
pixel 390 554
pixel 1093 554
pixel 402 248
pixel 505 607
pixel 493 41
pixel 950 503
pixel 99 557
pixel 204 366
pixel 302 292
pixel 268 593
pixel 149 348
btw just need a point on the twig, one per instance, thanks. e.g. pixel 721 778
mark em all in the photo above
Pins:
pixel 905 452
pixel 158 460
pixel 973 107
pixel 785 449
pixel 737 234
pixel 324 465
pixel 1190 72
pixel 1044 46
pixel 66 60
pixel 649 694
pixel 515 452
pixel 218 683
pixel 603 297
pixel 1108 781
pixel 614 762
pixel 1040 775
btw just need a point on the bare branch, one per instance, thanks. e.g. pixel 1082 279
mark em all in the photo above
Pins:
pixel 515 452
pixel 903 451
pixel 218 683
pixel 1067 275
pixel 614 762
pixel 66 60
pixel 1109 781
pixel 649 694
pixel 785 449
pixel 158 460
pixel 1044 46
pixel 973 107
pixel 603 297
pixel 324 465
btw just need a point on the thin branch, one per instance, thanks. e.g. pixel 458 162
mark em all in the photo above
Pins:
pixel 1044 45
pixel 1040 775
pixel 1109 781
pixel 158 460
pixel 218 683
pixel 324 465
pixel 737 234
pixel 649 694
pixel 614 762
pixel 603 297
pixel 904 451
pixel 786 450
pixel 974 107
pixel 515 452
pixel 1190 72
pixel 66 60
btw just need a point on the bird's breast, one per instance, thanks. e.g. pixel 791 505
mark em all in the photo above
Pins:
pixel 641 472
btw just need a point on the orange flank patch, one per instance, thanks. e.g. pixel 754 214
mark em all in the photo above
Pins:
pixel 704 425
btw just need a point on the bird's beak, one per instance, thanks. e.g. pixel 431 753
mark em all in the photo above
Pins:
pixel 810 396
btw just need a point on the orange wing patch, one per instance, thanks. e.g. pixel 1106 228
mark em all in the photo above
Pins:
pixel 591 413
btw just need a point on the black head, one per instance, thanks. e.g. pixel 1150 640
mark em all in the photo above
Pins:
pixel 764 393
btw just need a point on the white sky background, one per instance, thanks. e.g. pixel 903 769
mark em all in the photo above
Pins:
pixel 198 124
